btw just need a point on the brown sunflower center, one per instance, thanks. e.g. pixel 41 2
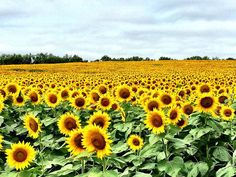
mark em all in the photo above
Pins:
pixel 70 123
pixel 19 99
pixel 173 114
pixel 114 106
pixel 33 125
pixel 79 102
pixel 20 155
pixel 156 120
pixel 95 96
pixel 105 101
pixel 53 98
pixel 12 89
pixel 188 109
pixel 124 93
pixel 99 121
pixel 3 92
pixel 64 94
pixel 206 102
pixel 103 89
pixel 136 142
pixel 33 97
pixel 227 112
pixel 152 105
pixel 181 122
pixel 98 141
pixel 204 89
pixel 166 99
pixel 78 141
pixel 222 99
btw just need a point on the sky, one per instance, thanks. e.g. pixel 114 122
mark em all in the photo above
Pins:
pixel 119 28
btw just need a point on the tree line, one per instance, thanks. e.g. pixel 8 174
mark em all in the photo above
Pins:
pixel 41 58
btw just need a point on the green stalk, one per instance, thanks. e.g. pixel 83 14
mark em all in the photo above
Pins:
pixel 83 165
pixel 104 165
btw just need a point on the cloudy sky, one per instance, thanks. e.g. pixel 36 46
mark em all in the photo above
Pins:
pixel 119 28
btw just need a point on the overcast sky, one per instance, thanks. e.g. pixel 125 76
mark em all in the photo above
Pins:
pixel 119 28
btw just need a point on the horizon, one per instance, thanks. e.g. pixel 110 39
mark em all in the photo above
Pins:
pixel 119 29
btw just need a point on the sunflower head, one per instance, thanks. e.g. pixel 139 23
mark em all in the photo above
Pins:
pixel 100 119
pixel 33 125
pixel 166 99
pixel 34 97
pixel 182 123
pixel 135 142
pixel 206 103
pixel 67 123
pixel 105 102
pixel 187 109
pixel 174 115
pixel 19 99
pixel 227 113
pixel 152 104
pixel 74 142
pixel 52 99
pixel 79 102
pixel 155 121
pixel 20 155
pixel 95 139
pixel 12 88
pixel 124 93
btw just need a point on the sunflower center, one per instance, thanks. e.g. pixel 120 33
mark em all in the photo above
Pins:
pixel 157 120
pixel 188 109
pixel 173 114
pixel 20 99
pixel 3 93
pixel 222 99
pixel 227 112
pixel 79 102
pixel 95 96
pixel 152 105
pixel 98 141
pixel 124 93
pixel 204 89
pixel 20 155
pixel 105 101
pixel 53 99
pixel 33 125
pixel 166 99
pixel 70 123
pixel 180 123
pixel 99 121
pixel 34 97
pixel 136 142
pixel 78 141
pixel 114 106
pixel 12 89
pixel 64 94
pixel 102 89
pixel 206 102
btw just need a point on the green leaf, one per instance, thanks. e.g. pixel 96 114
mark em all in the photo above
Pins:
pixel 221 154
pixel 110 173
pixel 200 167
pixel 1 120
pixel 140 174
pixel 199 132
pixel 228 171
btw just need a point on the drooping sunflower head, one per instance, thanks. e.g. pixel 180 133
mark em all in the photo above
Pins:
pixel 124 93
pixel 227 113
pixel 206 103
pixel 95 139
pixel 155 121
pixel 105 102
pixel 74 142
pixel 34 97
pixel 20 155
pixel 135 142
pixel 67 123
pixel 174 115
pixel 52 99
pixel 32 124
pixel 152 104
pixel 79 102
pixel 100 119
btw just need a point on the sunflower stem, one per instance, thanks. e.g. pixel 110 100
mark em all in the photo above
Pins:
pixel 165 151
pixel 83 165
pixel 104 164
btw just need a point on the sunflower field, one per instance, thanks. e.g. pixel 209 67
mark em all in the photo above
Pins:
pixel 118 119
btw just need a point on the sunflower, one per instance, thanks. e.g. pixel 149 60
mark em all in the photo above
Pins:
pixel 222 98
pixel 206 103
pixel 20 155
pixel 74 142
pixel 3 93
pixel 105 102
pixel 205 88
pixel 166 99
pixel 52 99
pixel 135 142
pixel 78 102
pixel 65 94
pixel 187 109
pixel 182 123
pixel 100 119
pixel 95 139
pixel 115 105
pixel 227 113
pixel 34 97
pixel 155 121
pixel 94 96
pixel 19 99
pixel 152 104
pixel 12 88
pixel 1 140
pixel 173 115
pixel 32 124
pixel 102 89
pixel 123 93
pixel 67 123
